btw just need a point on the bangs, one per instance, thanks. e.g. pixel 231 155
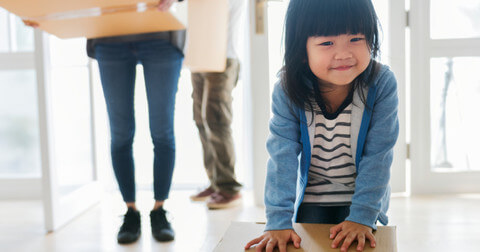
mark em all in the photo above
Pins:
pixel 334 17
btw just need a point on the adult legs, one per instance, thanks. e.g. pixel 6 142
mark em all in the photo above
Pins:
pixel 117 72
pixel 198 83
pixel 162 64
pixel 213 115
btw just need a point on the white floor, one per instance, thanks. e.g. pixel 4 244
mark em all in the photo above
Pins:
pixel 427 223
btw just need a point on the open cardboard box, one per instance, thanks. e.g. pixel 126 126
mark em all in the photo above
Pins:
pixel 315 238
pixel 206 21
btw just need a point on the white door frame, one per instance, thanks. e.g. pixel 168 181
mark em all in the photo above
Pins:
pixel 257 99
pixel 424 180
pixel 59 208
pixel 397 62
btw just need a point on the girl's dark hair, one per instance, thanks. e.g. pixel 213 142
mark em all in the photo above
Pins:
pixel 307 18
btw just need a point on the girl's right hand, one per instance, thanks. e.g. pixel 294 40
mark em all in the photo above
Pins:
pixel 275 238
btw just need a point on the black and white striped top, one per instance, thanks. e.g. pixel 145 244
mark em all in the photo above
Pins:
pixel 331 177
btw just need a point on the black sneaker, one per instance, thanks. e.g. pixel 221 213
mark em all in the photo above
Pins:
pixel 130 230
pixel 161 229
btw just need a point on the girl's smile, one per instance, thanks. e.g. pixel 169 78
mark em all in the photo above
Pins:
pixel 342 68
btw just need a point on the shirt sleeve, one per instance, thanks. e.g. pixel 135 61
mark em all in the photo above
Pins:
pixel 373 171
pixel 284 147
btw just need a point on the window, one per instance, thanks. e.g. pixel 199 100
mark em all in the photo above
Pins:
pixel 19 137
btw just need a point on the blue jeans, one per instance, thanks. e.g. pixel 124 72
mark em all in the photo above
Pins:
pixel 322 214
pixel 162 63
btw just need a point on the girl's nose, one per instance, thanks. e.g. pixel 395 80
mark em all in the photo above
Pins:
pixel 343 53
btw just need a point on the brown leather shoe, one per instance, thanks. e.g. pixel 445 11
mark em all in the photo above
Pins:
pixel 220 200
pixel 203 195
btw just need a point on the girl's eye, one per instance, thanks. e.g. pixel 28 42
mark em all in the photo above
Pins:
pixel 326 43
pixel 356 39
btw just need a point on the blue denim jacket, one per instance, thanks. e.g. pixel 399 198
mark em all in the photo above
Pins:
pixel 374 132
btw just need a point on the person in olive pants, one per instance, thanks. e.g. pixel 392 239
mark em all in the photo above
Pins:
pixel 212 112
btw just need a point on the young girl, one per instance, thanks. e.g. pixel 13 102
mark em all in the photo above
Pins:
pixel 336 107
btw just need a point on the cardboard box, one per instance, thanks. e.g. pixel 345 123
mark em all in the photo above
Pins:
pixel 119 23
pixel 315 238
pixel 39 8
pixel 94 19
pixel 207 20
pixel 207 35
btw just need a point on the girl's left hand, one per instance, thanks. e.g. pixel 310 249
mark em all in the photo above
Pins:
pixel 349 232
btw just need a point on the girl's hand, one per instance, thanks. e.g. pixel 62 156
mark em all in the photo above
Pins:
pixel 164 5
pixel 349 232
pixel 275 238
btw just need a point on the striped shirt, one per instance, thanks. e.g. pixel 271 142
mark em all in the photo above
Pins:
pixel 331 177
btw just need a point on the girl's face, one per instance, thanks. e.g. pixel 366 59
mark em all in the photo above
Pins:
pixel 338 60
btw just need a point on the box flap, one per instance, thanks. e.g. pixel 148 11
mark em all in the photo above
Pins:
pixel 38 8
pixel 121 23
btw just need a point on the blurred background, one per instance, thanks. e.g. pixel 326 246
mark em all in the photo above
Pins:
pixel 54 139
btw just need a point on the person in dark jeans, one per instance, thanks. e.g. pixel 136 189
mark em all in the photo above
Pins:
pixel 161 55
